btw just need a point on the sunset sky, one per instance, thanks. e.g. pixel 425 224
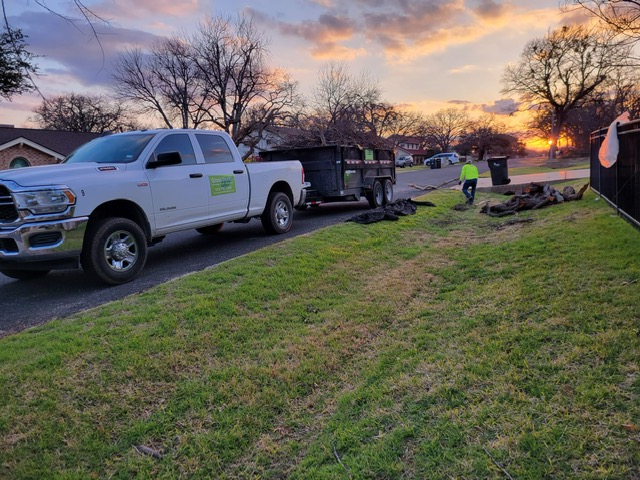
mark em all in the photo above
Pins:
pixel 426 54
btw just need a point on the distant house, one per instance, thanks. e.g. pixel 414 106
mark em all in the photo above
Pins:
pixel 410 146
pixel 26 147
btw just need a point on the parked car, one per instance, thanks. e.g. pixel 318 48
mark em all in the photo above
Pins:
pixel 448 158
pixel 404 161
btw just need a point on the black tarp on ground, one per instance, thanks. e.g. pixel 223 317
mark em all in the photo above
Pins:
pixel 392 211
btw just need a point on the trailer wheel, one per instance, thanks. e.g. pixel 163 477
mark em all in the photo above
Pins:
pixel 115 250
pixel 376 195
pixel 24 274
pixel 387 187
pixel 278 214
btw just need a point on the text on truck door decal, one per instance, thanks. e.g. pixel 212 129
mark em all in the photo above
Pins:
pixel 222 184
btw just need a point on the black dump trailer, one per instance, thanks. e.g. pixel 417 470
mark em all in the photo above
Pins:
pixel 340 173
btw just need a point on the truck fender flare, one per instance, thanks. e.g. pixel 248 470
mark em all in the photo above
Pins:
pixel 125 209
pixel 283 187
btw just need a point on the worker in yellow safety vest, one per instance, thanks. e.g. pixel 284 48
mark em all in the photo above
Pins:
pixel 469 175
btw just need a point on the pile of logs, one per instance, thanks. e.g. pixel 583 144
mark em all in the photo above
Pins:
pixel 532 197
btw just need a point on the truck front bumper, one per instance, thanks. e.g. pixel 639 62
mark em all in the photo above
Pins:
pixel 50 245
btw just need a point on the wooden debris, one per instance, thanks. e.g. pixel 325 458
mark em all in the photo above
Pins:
pixel 497 464
pixel 428 188
pixel 532 197
pixel 335 454
pixel 144 450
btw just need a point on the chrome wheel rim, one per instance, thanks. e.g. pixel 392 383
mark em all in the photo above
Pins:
pixel 121 251
pixel 282 214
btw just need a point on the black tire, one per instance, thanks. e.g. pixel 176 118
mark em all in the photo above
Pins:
pixel 115 250
pixel 376 195
pixel 277 217
pixel 387 188
pixel 210 229
pixel 24 274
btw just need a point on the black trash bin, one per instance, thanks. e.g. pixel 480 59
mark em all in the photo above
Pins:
pixel 499 170
pixel 436 163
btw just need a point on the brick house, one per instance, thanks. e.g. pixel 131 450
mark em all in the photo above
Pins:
pixel 406 145
pixel 26 147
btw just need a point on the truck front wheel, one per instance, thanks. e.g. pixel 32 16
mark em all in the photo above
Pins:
pixel 376 196
pixel 278 214
pixel 115 250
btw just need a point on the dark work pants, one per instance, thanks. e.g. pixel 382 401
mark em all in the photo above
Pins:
pixel 470 184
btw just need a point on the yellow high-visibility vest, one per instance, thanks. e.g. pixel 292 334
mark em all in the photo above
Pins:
pixel 469 172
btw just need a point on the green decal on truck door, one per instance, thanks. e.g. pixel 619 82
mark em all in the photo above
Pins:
pixel 222 184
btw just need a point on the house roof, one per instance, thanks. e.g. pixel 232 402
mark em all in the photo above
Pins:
pixel 414 151
pixel 49 141
pixel 405 138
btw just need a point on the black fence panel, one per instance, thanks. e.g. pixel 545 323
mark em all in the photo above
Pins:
pixel 620 183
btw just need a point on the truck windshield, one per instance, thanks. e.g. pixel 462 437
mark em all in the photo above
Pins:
pixel 111 149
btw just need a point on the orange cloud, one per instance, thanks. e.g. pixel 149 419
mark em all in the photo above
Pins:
pixel 404 30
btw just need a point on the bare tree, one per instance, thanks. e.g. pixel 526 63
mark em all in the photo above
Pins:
pixel 165 82
pixel 445 127
pixel 16 48
pixel 623 16
pixel 15 64
pixel 82 113
pixel 563 69
pixel 335 96
pixel 87 14
pixel 402 123
pixel 487 134
pixel 348 109
pixel 244 94
pixel 620 93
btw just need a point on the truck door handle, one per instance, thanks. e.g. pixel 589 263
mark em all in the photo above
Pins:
pixel 238 172
pixel 195 175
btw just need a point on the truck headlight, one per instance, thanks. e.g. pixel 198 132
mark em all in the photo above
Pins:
pixel 47 200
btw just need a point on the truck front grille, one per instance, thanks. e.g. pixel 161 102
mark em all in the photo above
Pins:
pixel 8 211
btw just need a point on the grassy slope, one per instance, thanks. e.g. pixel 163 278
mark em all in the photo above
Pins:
pixel 445 345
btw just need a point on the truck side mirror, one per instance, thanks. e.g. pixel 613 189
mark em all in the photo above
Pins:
pixel 165 158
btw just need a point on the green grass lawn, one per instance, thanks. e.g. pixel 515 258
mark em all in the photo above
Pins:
pixel 444 345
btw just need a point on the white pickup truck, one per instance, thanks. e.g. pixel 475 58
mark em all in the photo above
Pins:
pixel 118 194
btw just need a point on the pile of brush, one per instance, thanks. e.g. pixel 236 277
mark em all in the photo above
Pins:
pixel 532 197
